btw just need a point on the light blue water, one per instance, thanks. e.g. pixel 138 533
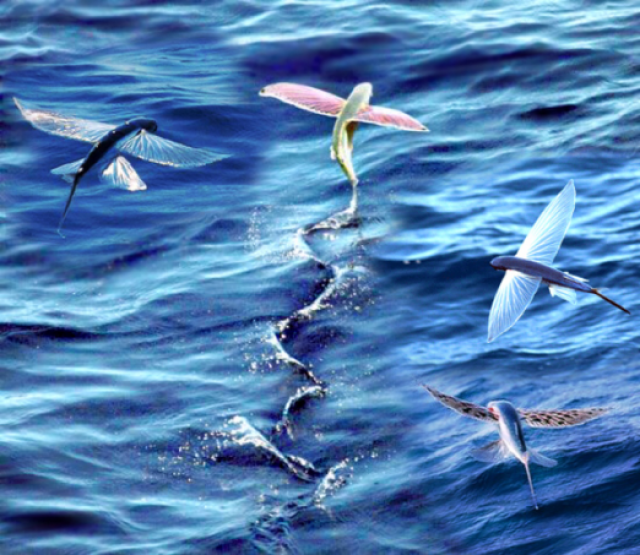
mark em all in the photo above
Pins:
pixel 142 390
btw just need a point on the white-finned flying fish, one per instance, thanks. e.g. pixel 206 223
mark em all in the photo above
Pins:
pixel 532 265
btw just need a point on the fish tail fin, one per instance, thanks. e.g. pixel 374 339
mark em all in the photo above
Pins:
pixel 74 185
pixel 533 493
pixel 599 293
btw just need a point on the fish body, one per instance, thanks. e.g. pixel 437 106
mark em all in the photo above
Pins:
pixel 509 427
pixel 342 139
pixel 547 274
pixel 110 139
pixel 512 437
pixel 101 148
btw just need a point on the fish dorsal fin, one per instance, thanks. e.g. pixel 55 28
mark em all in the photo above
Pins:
pixel 581 280
pixel 544 240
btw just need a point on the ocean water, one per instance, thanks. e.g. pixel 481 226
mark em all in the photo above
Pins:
pixel 185 372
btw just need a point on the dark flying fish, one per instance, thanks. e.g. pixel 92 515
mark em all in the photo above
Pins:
pixel 135 137
pixel 531 266
pixel 508 418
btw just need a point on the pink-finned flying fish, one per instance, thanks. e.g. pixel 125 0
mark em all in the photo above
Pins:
pixel 349 113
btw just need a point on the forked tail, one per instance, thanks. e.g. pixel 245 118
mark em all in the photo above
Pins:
pixel 533 493
pixel 597 292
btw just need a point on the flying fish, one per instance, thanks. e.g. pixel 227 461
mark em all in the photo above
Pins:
pixel 356 109
pixel 135 137
pixel 509 421
pixel 531 266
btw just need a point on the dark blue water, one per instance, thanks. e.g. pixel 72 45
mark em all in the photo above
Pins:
pixel 144 379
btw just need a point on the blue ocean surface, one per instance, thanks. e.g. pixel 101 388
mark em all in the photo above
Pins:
pixel 186 372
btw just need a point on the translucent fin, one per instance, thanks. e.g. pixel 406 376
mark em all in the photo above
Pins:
pixel 388 117
pixel 120 174
pixel 564 293
pixel 560 418
pixel 306 98
pixel 152 148
pixel 539 459
pixel 463 407
pixel 533 493
pixel 513 297
pixel 64 126
pixel 544 239
pixel 68 171
pixel 581 280
pixel 493 452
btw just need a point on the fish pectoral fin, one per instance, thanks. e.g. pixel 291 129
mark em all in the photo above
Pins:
pixel 563 293
pixel 120 173
pixel 151 148
pixel 68 171
pixel 513 297
pixel 493 452
pixel 544 238
pixel 539 459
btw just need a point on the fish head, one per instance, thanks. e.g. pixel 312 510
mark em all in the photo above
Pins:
pixel 146 124
pixel 364 89
pixel 510 428
pixel 499 263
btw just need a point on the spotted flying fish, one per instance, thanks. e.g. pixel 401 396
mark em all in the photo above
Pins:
pixel 135 137
pixel 532 265
pixel 509 420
